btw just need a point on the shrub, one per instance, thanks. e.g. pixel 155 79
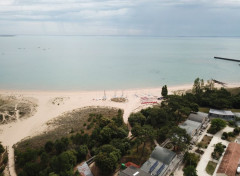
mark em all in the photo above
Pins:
pixel 216 125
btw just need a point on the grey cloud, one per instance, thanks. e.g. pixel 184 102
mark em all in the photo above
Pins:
pixel 121 17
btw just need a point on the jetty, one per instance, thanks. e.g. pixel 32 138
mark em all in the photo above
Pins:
pixel 223 58
pixel 219 82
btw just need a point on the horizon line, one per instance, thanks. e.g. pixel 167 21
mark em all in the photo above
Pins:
pixel 12 35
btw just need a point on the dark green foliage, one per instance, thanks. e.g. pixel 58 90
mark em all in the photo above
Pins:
pixel 231 123
pixel 60 157
pixel 162 133
pixel 82 152
pixel 49 146
pixel 29 155
pixel 137 118
pixel 218 150
pixel 61 145
pixel 216 125
pixel 164 91
pixel 1 148
pixel 224 135
pixel 179 138
pixel 236 130
pixel 191 159
pixel 122 144
pixel 107 158
pixel 190 171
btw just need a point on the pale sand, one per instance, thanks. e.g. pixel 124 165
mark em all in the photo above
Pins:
pixel 14 132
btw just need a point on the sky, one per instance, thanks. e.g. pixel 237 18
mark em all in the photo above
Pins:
pixel 120 17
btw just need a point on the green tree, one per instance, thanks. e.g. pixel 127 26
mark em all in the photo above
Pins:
pixel 164 91
pixel 191 159
pixel 106 134
pixel 122 144
pixel 82 152
pixel 217 125
pixel 107 159
pixel 179 138
pixel 49 146
pixel 143 133
pixel 135 118
pixel 198 86
pixel 190 171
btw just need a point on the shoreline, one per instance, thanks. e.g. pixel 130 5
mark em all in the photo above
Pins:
pixel 171 87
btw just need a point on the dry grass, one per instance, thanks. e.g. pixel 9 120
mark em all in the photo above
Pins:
pixel 67 124
pixel 26 108
pixel 205 141
pixel 119 100
pixel 234 91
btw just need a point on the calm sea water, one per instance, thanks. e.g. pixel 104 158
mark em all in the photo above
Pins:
pixel 104 62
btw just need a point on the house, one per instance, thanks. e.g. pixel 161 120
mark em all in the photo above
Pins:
pixel 229 163
pixel 84 170
pixel 133 171
pixel 226 115
pixel 198 117
pixel 191 127
pixel 159 161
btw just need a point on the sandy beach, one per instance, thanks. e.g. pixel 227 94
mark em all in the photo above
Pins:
pixel 51 104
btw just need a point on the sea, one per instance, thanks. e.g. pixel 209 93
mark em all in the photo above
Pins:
pixel 114 62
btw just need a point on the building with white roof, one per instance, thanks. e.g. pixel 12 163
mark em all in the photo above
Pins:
pixel 226 115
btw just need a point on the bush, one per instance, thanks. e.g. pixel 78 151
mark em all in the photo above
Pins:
pixel 216 125
pixel 231 123
pixel 218 150
pixel 231 134
pixel 1 148
pixel 190 171
pixel 191 159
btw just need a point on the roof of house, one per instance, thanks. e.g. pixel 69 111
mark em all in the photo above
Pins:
pixel 84 169
pixel 133 171
pixel 221 112
pixel 158 162
pixel 197 117
pixel 230 160
pixel 190 126
pixel 162 154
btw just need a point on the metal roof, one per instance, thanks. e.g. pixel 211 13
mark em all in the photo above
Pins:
pixel 162 154
pixel 221 112
pixel 197 117
pixel 190 126
pixel 133 171
pixel 84 170
pixel 158 162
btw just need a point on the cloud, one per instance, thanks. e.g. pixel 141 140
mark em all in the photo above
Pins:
pixel 120 17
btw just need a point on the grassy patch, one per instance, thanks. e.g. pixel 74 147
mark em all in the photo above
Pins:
pixel 234 91
pixel 68 124
pixel 235 110
pixel 205 141
pixel 211 166
pixel 202 109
